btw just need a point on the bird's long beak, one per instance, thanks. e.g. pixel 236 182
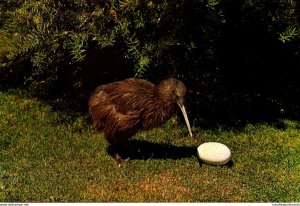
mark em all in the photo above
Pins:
pixel 181 106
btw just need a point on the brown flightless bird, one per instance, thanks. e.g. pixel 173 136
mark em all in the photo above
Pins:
pixel 122 108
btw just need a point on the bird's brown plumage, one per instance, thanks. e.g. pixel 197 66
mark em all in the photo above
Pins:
pixel 122 108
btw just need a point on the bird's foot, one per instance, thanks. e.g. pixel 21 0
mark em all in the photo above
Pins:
pixel 118 159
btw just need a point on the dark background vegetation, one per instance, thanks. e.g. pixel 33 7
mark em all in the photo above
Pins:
pixel 240 60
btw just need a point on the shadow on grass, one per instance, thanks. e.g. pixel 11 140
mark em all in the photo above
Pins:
pixel 229 164
pixel 142 150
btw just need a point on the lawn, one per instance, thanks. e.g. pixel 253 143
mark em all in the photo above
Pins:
pixel 47 156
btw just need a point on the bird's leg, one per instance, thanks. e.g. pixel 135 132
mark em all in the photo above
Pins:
pixel 115 145
pixel 118 159
pixel 118 147
pixel 117 141
pixel 116 152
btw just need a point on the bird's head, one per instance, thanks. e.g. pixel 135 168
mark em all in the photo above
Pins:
pixel 173 90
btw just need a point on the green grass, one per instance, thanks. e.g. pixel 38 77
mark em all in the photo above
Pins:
pixel 45 157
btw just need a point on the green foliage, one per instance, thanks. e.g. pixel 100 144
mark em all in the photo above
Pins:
pixel 155 34
pixel 289 34
pixel 52 34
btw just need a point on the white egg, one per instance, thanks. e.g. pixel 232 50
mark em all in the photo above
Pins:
pixel 214 153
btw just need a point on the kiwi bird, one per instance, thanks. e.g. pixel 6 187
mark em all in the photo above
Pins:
pixel 123 108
